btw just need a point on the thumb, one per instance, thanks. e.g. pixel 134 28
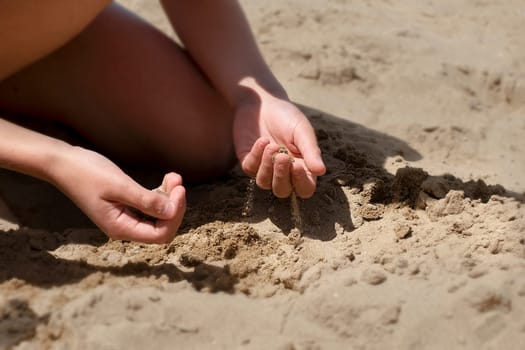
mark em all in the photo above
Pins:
pixel 154 203
pixel 306 143
pixel 170 181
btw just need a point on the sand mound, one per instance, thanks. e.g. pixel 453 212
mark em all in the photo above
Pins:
pixel 372 242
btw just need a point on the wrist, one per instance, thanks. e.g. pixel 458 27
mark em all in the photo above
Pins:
pixel 53 160
pixel 253 91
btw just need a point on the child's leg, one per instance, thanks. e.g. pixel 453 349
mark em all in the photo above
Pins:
pixel 133 93
pixel 31 29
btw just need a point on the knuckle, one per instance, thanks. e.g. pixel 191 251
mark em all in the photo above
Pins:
pixel 281 179
pixel 145 200
pixel 260 145
pixel 280 171
pixel 152 203
pixel 270 150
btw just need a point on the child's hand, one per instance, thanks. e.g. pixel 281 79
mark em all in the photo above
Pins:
pixel 264 125
pixel 105 193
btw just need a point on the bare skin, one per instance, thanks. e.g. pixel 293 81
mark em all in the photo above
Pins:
pixel 137 96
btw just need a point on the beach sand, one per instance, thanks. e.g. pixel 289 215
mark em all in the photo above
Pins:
pixel 415 238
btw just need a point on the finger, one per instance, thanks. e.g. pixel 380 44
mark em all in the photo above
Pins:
pixel 251 162
pixel 149 202
pixel 265 172
pixel 166 230
pixel 303 181
pixel 170 181
pixel 281 184
pixel 128 227
pixel 306 142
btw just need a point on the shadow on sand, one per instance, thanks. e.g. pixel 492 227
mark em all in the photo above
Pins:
pixel 354 155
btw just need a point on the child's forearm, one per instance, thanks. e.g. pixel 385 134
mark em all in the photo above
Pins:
pixel 219 38
pixel 29 152
pixel 31 29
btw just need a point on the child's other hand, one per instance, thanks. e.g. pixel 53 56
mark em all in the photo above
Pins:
pixel 261 127
pixel 105 193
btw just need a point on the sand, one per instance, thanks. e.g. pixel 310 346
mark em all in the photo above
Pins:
pixel 415 238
